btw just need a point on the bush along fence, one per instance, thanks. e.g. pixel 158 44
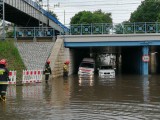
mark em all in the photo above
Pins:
pixel 29 76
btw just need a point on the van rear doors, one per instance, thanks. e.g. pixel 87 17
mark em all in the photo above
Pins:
pixel 87 67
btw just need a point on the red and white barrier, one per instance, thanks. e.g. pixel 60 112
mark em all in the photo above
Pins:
pixel 12 77
pixel 32 76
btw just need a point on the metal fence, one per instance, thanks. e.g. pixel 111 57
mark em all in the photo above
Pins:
pixel 109 28
pixel 34 32
pixel 94 28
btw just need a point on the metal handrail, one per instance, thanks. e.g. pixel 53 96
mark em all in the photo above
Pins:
pixel 34 32
pixel 112 28
pixel 94 28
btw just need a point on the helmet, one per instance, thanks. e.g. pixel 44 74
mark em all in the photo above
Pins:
pixel 48 61
pixel 3 62
pixel 66 62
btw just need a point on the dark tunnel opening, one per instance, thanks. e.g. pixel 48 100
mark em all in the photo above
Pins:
pixel 131 60
pixel 128 59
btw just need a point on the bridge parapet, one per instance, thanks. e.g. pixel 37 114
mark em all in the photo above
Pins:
pixel 110 28
pixel 34 32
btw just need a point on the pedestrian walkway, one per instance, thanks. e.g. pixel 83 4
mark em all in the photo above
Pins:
pixel 34 54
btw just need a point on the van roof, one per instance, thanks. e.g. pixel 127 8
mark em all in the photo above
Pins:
pixel 88 60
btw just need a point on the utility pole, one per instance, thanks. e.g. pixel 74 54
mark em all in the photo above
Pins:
pixel 58 5
pixel 48 5
pixel 48 12
pixel 64 17
pixel 4 35
pixel 2 9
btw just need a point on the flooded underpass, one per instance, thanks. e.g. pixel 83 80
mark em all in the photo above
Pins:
pixel 125 97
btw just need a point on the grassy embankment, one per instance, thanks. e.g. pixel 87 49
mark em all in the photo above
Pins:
pixel 9 52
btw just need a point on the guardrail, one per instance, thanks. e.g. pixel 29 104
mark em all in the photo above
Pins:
pixel 34 32
pixel 109 28
pixel 94 28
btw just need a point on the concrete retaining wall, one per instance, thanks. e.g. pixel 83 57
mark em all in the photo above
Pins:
pixel 58 56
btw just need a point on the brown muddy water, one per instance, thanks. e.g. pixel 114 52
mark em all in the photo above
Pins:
pixel 123 98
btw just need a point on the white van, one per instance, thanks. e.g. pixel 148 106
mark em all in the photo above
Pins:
pixel 87 67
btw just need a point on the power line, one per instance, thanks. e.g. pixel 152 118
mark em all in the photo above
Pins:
pixel 85 5
pixel 109 10
pixel 103 1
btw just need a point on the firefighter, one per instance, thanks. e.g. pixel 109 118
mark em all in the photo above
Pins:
pixel 47 70
pixel 66 68
pixel 4 78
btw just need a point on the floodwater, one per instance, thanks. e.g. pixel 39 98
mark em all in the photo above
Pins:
pixel 124 98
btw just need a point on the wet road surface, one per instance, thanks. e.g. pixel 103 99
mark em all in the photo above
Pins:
pixel 124 98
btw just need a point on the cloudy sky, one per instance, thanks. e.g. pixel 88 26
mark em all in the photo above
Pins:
pixel 66 9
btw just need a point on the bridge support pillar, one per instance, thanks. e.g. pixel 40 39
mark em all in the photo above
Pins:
pixel 145 69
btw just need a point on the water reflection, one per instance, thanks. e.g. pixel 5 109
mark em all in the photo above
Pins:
pixel 106 81
pixel 145 84
pixel 11 91
pixel 86 81
pixel 125 97
pixel 32 92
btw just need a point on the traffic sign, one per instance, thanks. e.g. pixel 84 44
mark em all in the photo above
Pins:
pixel 145 58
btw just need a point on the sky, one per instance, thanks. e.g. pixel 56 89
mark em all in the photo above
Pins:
pixel 66 9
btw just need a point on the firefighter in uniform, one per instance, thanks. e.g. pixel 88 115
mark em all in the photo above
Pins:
pixel 65 68
pixel 4 78
pixel 47 71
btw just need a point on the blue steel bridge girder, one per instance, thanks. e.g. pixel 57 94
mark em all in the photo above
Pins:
pixel 111 43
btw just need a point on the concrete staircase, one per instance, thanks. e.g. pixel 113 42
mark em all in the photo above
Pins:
pixel 34 54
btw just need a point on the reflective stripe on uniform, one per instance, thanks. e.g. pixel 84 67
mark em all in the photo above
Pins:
pixel 47 73
pixel 3 91
pixel 3 82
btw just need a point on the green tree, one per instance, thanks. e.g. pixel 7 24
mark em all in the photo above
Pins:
pixel 148 11
pixel 158 18
pixel 119 28
pixel 87 17
pixel 54 14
